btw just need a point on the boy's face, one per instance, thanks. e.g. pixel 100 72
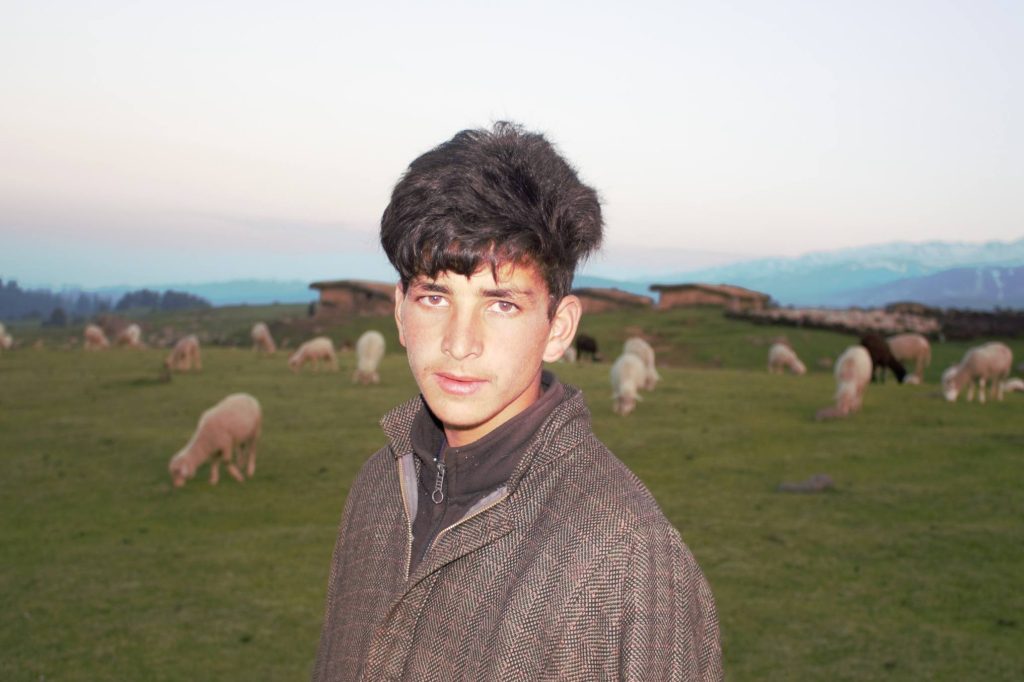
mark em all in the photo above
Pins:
pixel 476 344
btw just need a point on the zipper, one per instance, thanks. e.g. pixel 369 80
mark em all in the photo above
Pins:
pixel 478 512
pixel 437 497
pixel 408 521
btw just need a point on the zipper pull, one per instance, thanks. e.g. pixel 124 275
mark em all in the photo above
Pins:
pixel 438 496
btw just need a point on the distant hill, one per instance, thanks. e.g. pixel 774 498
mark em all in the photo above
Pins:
pixel 972 288
pixel 235 292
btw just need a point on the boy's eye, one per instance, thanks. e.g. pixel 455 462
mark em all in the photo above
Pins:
pixel 432 300
pixel 504 307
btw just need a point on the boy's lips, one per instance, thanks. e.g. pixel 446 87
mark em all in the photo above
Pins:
pixel 458 384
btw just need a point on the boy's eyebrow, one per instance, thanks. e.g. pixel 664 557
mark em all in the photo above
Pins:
pixel 507 292
pixel 431 286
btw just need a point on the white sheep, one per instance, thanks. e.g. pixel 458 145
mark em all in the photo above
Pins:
pixel 6 341
pixel 234 422
pixel 315 350
pixel 911 348
pixel 628 377
pixel 852 372
pixel 130 336
pixel 569 355
pixel 369 352
pixel 185 355
pixel 94 337
pixel 781 357
pixel 989 362
pixel 262 339
pixel 1013 385
pixel 640 348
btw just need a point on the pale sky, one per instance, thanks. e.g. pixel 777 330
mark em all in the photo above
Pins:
pixel 151 142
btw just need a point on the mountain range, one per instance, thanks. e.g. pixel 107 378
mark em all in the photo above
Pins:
pixel 940 274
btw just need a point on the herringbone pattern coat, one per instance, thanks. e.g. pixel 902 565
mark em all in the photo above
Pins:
pixel 568 572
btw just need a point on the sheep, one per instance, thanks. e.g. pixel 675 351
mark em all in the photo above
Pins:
pixel 185 355
pixel 6 340
pixel 130 336
pixel 94 337
pixel 643 350
pixel 315 350
pixel 234 422
pixel 987 362
pixel 853 372
pixel 262 340
pixel 369 351
pixel 782 357
pixel 912 348
pixel 587 344
pixel 628 376
pixel 569 355
pixel 1014 384
pixel 881 358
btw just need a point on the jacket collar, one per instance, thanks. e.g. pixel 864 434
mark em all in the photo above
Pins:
pixel 570 415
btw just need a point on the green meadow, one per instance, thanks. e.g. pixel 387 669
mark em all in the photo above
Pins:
pixel 912 568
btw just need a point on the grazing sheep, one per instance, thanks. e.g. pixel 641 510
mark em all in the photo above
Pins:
pixel 569 355
pixel 315 350
pixel 882 358
pixel 781 357
pixel 6 341
pixel 262 340
pixel 369 352
pixel 95 339
pixel 912 348
pixel 234 422
pixel 587 344
pixel 130 336
pixel 984 363
pixel 853 373
pixel 1012 385
pixel 643 350
pixel 628 376
pixel 185 355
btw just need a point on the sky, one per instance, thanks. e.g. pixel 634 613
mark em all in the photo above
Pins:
pixel 146 142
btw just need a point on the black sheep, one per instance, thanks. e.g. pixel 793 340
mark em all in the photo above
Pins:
pixel 881 358
pixel 587 344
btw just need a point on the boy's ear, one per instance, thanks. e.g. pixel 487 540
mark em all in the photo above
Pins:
pixel 563 327
pixel 399 299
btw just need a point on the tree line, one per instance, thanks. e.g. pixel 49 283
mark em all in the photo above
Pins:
pixel 63 307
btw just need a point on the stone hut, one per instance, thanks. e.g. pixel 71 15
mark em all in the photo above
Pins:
pixel 353 297
pixel 726 296
pixel 599 300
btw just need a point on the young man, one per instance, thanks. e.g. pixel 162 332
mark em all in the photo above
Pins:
pixel 494 537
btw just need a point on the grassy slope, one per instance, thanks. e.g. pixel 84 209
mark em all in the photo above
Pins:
pixel 911 570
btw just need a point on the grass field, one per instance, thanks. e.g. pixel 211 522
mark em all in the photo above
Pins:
pixel 911 569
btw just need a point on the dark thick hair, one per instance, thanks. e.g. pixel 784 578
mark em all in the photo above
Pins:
pixel 491 197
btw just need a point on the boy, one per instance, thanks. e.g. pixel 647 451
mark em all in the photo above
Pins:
pixel 495 538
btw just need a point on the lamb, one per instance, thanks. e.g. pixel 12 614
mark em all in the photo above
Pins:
pixel 185 355
pixel 882 358
pixel 234 422
pixel 912 348
pixel 643 350
pixel 587 344
pixel 781 357
pixel 262 340
pixel 95 339
pixel 130 336
pixel 853 372
pixel 369 352
pixel 628 376
pixel 987 362
pixel 315 350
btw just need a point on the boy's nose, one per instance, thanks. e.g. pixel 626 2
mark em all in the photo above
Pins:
pixel 462 337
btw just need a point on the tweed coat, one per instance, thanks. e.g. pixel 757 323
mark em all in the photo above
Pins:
pixel 569 571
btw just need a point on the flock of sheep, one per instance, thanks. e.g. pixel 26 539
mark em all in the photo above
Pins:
pixel 987 364
pixel 227 433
